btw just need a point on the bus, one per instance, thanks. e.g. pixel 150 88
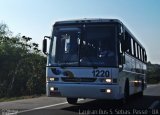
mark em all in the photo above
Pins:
pixel 94 58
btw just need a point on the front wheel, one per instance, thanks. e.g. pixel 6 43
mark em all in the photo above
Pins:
pixel 72 100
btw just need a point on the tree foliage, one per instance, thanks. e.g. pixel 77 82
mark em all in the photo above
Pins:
pixel 22 66
pixel 153 73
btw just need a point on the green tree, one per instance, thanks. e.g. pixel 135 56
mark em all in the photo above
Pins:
pixel 153 73
pixel 22 70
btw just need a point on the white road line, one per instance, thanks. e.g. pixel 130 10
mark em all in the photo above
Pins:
pixel 43 107
pixel 154 104
pixel 152 85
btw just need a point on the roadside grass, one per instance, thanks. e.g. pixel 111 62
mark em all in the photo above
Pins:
pixel 6 99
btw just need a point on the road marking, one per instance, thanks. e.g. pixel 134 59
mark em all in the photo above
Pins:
pixel 154 104
pixel 37 108
pixel 152 85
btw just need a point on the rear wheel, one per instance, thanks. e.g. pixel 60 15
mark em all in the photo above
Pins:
pixel 72 100
pixel 126 92
pixel 140 94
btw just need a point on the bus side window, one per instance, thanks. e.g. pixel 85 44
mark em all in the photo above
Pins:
pixel 128 42
pixel 120 47
pixel 139 53
pixel 132 47
pixel 121 56
pixel 145 57
pixel 136 50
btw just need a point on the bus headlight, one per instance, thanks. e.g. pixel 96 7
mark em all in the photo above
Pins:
pixel 108 80
pixel 51 79
pixel 108 90
pixel 51 88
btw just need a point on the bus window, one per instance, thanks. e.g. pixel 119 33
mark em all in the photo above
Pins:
pixel 139 53
pixel 99 46
pixel 136 49
pixel 67 47
pixel 145 56
pixel 120 47
pixel 132 47
pixel 128 42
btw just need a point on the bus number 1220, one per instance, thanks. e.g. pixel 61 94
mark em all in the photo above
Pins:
pixel 100 73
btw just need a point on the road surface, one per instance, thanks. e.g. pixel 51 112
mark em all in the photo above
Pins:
pixel 148 104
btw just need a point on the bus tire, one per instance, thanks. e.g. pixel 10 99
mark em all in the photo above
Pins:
pixel 140 94
pixel 72 100
pixel 126 92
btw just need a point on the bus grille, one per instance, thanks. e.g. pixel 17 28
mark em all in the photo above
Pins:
pixel 65 79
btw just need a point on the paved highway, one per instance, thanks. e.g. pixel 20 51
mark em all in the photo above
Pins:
pixel 148 104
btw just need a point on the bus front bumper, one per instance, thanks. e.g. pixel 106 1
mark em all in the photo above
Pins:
pixel 93 91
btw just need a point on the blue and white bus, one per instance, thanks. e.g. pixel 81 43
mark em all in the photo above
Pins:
pixel 94 58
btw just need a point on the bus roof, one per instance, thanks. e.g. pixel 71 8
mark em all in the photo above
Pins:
pixel 87 20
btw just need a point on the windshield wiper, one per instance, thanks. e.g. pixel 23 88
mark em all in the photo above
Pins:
pixel 68 64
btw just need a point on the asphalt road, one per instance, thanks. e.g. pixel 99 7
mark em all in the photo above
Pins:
pixel 148 104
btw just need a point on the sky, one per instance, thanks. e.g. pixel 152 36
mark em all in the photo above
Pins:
pixel 34 18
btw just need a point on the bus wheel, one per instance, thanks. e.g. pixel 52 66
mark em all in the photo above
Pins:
pixel 126 92
pixel 72 100
pixel 140 94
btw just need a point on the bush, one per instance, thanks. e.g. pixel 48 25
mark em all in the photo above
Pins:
pixel 22 70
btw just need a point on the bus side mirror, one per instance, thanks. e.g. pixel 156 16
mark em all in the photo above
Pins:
pixel 45 46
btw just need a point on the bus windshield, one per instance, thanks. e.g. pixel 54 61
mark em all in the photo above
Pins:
pixel 90 46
